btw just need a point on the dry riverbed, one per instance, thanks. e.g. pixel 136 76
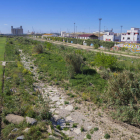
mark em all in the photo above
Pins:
pixel 71 116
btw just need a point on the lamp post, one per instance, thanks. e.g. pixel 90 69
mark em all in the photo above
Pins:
pixel 99 26
pixel 121 29
pixel 74 29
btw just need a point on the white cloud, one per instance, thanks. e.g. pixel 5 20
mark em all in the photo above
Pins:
pixel 5 24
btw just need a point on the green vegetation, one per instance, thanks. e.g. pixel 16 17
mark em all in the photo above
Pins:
pixel 96 129
pixel 19 98
pixel 88 136
pixel 58 127
pixel 2 50
pixel 103 79
pixel 107 136
pixel 103 60
pixel 74 125
pixel 66 102
pixel 82 129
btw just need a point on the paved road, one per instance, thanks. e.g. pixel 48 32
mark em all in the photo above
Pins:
pixel 89 48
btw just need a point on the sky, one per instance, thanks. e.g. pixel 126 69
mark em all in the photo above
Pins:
pixel 44 16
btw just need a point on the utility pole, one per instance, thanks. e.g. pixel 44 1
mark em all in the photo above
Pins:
pixel 121 28
pixel 99 26
pixel 74 29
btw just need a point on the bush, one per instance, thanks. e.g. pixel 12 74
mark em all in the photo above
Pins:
pixel 96 46
pixel 38 49
pixel 107 136
pixel 106 61
pixel 124 48
pixel 58 127
pixel 123 88
pixel 74 60
pixel 88 136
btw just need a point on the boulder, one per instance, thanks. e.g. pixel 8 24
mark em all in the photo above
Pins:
pixel 15 129
pixel 16 119
pixel 26 130
pixel 49 129
pixel 12 135
pixel 20 138
pixel 31 120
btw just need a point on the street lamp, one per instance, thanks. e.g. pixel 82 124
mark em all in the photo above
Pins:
pixel 99 26
pixel 74 29
pixel 121 29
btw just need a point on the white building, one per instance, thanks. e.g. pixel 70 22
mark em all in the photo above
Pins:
pixel 63 34
pixel 109 35
pixel 132 36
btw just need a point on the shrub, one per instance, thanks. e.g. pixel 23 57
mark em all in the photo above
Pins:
pixel 66 102
pixel 88 136
pixel 74 125
pixel 58 127
pixel 76 108
pixel 123 88
pixel 38 49
pixel 107 136
pixel 124 48
pixel 104 74
pixel 96 129
pixel 82 128
pixel 75 60
pixel 96 46
pixel 106 61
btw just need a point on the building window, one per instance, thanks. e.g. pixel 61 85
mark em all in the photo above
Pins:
pixel 128 33
pixel 123 38
pixel 128 38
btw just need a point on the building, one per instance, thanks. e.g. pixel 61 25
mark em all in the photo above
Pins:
pixel 88 36
pixel 132 36
pixel 109 35
pixel 63 34
pixel 17 31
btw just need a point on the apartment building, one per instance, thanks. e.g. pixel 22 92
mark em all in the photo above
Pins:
pixel 132 36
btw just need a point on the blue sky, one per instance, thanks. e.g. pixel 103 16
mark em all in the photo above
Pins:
pixel 56 15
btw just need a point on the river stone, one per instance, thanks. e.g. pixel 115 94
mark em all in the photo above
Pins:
pixel 55 98
pixel 16 119
pixel 77 131
pixel 49 129
pixel 31 120
pixel 69 118
pixel 89 128
pixel 20 138
pixel 26 130
pixel 69 107
pixel 15 129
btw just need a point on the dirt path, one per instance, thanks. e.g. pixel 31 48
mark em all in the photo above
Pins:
pixel 89 48
pixel 67 113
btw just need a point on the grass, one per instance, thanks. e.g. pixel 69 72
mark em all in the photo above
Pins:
pixel 20 102
pixel 2 50
pixel 88 136
pixel 88 83
pixel 74 125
